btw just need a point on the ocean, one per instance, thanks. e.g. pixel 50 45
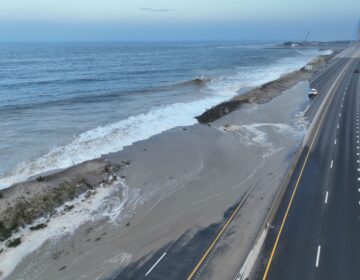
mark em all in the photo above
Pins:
pixel 64 103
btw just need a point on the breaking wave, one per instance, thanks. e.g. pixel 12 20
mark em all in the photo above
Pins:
pixel 118 134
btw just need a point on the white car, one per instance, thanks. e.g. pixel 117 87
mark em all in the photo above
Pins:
pixel 313 92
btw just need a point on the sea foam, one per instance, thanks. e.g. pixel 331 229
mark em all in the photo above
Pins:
pixel 118 134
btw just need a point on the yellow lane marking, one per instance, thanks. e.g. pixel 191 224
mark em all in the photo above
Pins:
pixel 219 235
pixel 301 173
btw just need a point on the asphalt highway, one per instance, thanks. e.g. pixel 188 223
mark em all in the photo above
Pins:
pixel 316 231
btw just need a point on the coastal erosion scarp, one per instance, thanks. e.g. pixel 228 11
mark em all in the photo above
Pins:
pixel 49 206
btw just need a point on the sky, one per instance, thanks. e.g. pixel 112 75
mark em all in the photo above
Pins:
pixel 137 20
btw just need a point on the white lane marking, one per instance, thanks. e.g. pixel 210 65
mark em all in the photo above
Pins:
pixel 357 147
pixel 358 178
pixel 340 115
pixel 358 190
pixel 331 164
pixel 335 142
pixel 337 126
pixel 155 264
pixel 358 154
pixel 326 197
pixel 318 256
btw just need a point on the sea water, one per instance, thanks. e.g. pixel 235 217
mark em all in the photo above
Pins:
pixel 62 103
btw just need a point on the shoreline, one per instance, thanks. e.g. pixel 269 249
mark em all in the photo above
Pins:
pixel 112 134
pixel 110 167
pixel 265 92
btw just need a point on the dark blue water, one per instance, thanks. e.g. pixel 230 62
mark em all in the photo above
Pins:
pixel 63 103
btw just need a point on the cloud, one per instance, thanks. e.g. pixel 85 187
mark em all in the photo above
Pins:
pixel 156 10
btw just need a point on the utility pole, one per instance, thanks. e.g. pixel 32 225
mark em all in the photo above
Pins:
pixel 307 36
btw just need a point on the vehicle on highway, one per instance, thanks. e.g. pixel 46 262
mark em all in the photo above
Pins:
pixel 356 71
pixel 313 92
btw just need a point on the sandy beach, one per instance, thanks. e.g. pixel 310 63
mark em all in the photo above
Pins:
pixel 129 205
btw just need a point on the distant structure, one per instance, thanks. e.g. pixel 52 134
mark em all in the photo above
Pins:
pixel 307 36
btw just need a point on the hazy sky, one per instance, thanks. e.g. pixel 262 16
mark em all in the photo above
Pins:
pixel 177 19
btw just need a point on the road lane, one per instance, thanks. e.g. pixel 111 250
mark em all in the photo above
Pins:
pixel 296 254
pixel 341 227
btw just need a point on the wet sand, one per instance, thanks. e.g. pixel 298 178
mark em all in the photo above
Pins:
pixel 179 181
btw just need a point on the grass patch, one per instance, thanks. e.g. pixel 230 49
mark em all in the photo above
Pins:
pixel 37 227
pixel 4 232
pixel 40 179
pixel 26 211
pixel 13 243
